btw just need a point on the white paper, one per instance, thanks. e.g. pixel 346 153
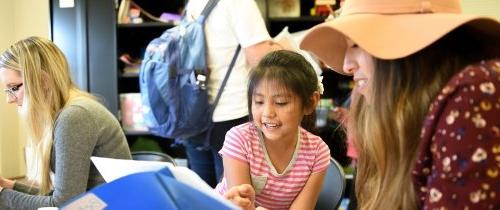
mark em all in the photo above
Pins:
pixel 112 169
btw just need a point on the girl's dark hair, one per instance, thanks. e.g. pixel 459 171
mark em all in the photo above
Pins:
pixel 293 72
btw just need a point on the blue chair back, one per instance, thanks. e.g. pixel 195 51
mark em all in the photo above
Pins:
pixel 333 187
pixel 152 156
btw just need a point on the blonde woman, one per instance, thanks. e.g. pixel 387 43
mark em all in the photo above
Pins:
pixel 65 126
pixel 427 124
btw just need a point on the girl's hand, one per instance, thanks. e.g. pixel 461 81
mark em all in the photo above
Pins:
pixel 242 196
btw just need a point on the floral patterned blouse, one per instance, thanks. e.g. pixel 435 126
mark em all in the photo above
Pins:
pixel 458 166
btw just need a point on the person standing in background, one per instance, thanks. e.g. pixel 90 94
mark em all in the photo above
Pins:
pixel 231 23
pixel 65 126
pixel 426 123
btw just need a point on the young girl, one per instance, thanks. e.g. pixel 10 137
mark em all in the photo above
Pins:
pixel 231 23
pixel 283 162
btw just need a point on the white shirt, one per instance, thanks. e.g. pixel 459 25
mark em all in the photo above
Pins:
pixel 231 23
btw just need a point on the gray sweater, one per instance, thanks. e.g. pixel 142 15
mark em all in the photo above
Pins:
pixel 82 129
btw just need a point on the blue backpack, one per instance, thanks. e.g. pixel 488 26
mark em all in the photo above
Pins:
pixel 173 77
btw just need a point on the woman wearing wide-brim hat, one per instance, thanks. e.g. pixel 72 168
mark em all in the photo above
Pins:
pixel 427 126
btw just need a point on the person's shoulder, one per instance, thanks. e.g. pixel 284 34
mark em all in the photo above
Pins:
pixel 483 71
pixel 312 146
pixel 246 129
pixel 481 76
pixel 82 107
pixel 75 106
pixel 87 104
pixel 311 139
pixel 248 126
pixel 195 7
pixel 475 84
pixel 306 135
pixel 238 5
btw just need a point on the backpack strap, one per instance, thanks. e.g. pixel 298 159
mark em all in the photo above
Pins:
pixel 207 10
pixel 223 84
pixel 204 14
pixel 208 133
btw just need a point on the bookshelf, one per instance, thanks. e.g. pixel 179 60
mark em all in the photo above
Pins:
pixel 145 25
pixel 93 41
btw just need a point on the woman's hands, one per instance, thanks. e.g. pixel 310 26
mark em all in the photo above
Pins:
pixel 6 183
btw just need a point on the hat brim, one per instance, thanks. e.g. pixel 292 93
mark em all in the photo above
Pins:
pixel 386 36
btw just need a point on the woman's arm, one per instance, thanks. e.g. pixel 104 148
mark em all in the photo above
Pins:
pixel 30 188
pixel 75 137
pixel 250 30
pixel 6 183
pixel 255 52
pixel 310 193
pixel 73 144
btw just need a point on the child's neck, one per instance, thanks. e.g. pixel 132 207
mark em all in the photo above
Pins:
pixel 281 152
pixel 283 144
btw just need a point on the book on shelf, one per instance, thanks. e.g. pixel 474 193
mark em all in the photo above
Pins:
pixel 131 70
pixel 131 65
pixel 123 10
pixel 131 112
pixel 284 8
pixel 131 12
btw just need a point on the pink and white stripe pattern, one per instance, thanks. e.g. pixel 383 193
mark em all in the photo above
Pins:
pixel 312 155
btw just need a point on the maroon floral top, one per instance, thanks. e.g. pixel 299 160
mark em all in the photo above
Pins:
pixel 458 166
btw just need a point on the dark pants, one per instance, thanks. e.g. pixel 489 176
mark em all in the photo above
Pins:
pixel 205 160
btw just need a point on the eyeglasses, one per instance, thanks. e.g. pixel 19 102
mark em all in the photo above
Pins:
pixel 13 90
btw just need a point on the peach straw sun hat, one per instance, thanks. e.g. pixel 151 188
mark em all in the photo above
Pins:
pixel 390 29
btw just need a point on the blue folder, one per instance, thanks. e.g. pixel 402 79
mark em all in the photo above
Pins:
pixel 147 190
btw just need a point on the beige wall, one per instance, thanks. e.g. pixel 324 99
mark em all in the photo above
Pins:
pixel 18 19
pixel 6 115
pixel 482 7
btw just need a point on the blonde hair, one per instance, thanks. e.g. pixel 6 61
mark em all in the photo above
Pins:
pixel 47 89
pixel 387 128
